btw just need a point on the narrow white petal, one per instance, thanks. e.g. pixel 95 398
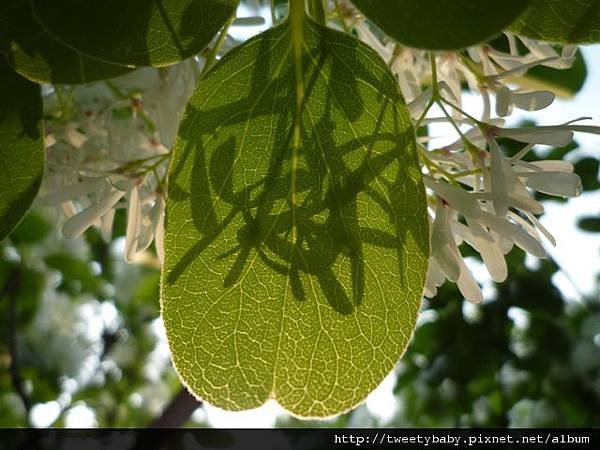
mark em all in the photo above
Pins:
pixel 520 198
pixel 49 141
pixel 418 105
pixel 519 70
pixel 75 138
pixel 503 100
pixel 490 251
pixel 468 286
pixel 513 232
pixel 526 203
pixel 540 49
pixel 569 51
pixel 159 239
pixel 555 183
pixel 499 180
pixel 532 101
pixel 445 87
pixel 430 283
pixel 252 21
pixel 443 247
pixel 555 136
pixel 457 198
pixel 554 165
pixel 542 228
pixel 488 67
pixel 435 273
pixel 512 44
pixel 145 239
pixel 154 220
pixel 485 97
pixel 526 225
pixel 521 153
pixel 474 54
pixel 134 218
pixel 77 224
pixel 69 209
pixel 585 128
pixel 106 226
pixel 429 291
pixel 506 245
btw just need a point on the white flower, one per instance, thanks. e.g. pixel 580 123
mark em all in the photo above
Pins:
pixel 116 154
pixel 555 135
pixel 528 101
pixel 81 221
pixel 446 260
pixel 134 218
pixel 457 198
pixel 513 233
pixel 555 183
pixel 443 246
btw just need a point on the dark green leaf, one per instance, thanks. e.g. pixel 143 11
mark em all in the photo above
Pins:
pixel 33 53
pixel 565 83
pixel 21 146
pixel 442 24
pixel 296 239
pixel 590 223
pixel 588 169
pixel 135 32
pixel 564 21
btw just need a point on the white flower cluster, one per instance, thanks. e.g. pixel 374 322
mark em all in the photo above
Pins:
pixel 476 194
pixel 108 148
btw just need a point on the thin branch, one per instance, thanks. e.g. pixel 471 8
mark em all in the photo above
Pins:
pixel 178 411
pixel 212 56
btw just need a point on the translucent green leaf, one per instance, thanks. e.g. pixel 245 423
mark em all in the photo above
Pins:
pixel 296 238
pixel 33 53
pixel 564 21
pixel 21 146
pixel 442 24
pixel 134 32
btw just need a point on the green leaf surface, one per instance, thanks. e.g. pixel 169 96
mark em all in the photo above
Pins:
pixel 36 55
pixel 562 21
pixel 296 238
pixel 21 146
pixel 588 170
pixel 442 24
pixel 134 32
